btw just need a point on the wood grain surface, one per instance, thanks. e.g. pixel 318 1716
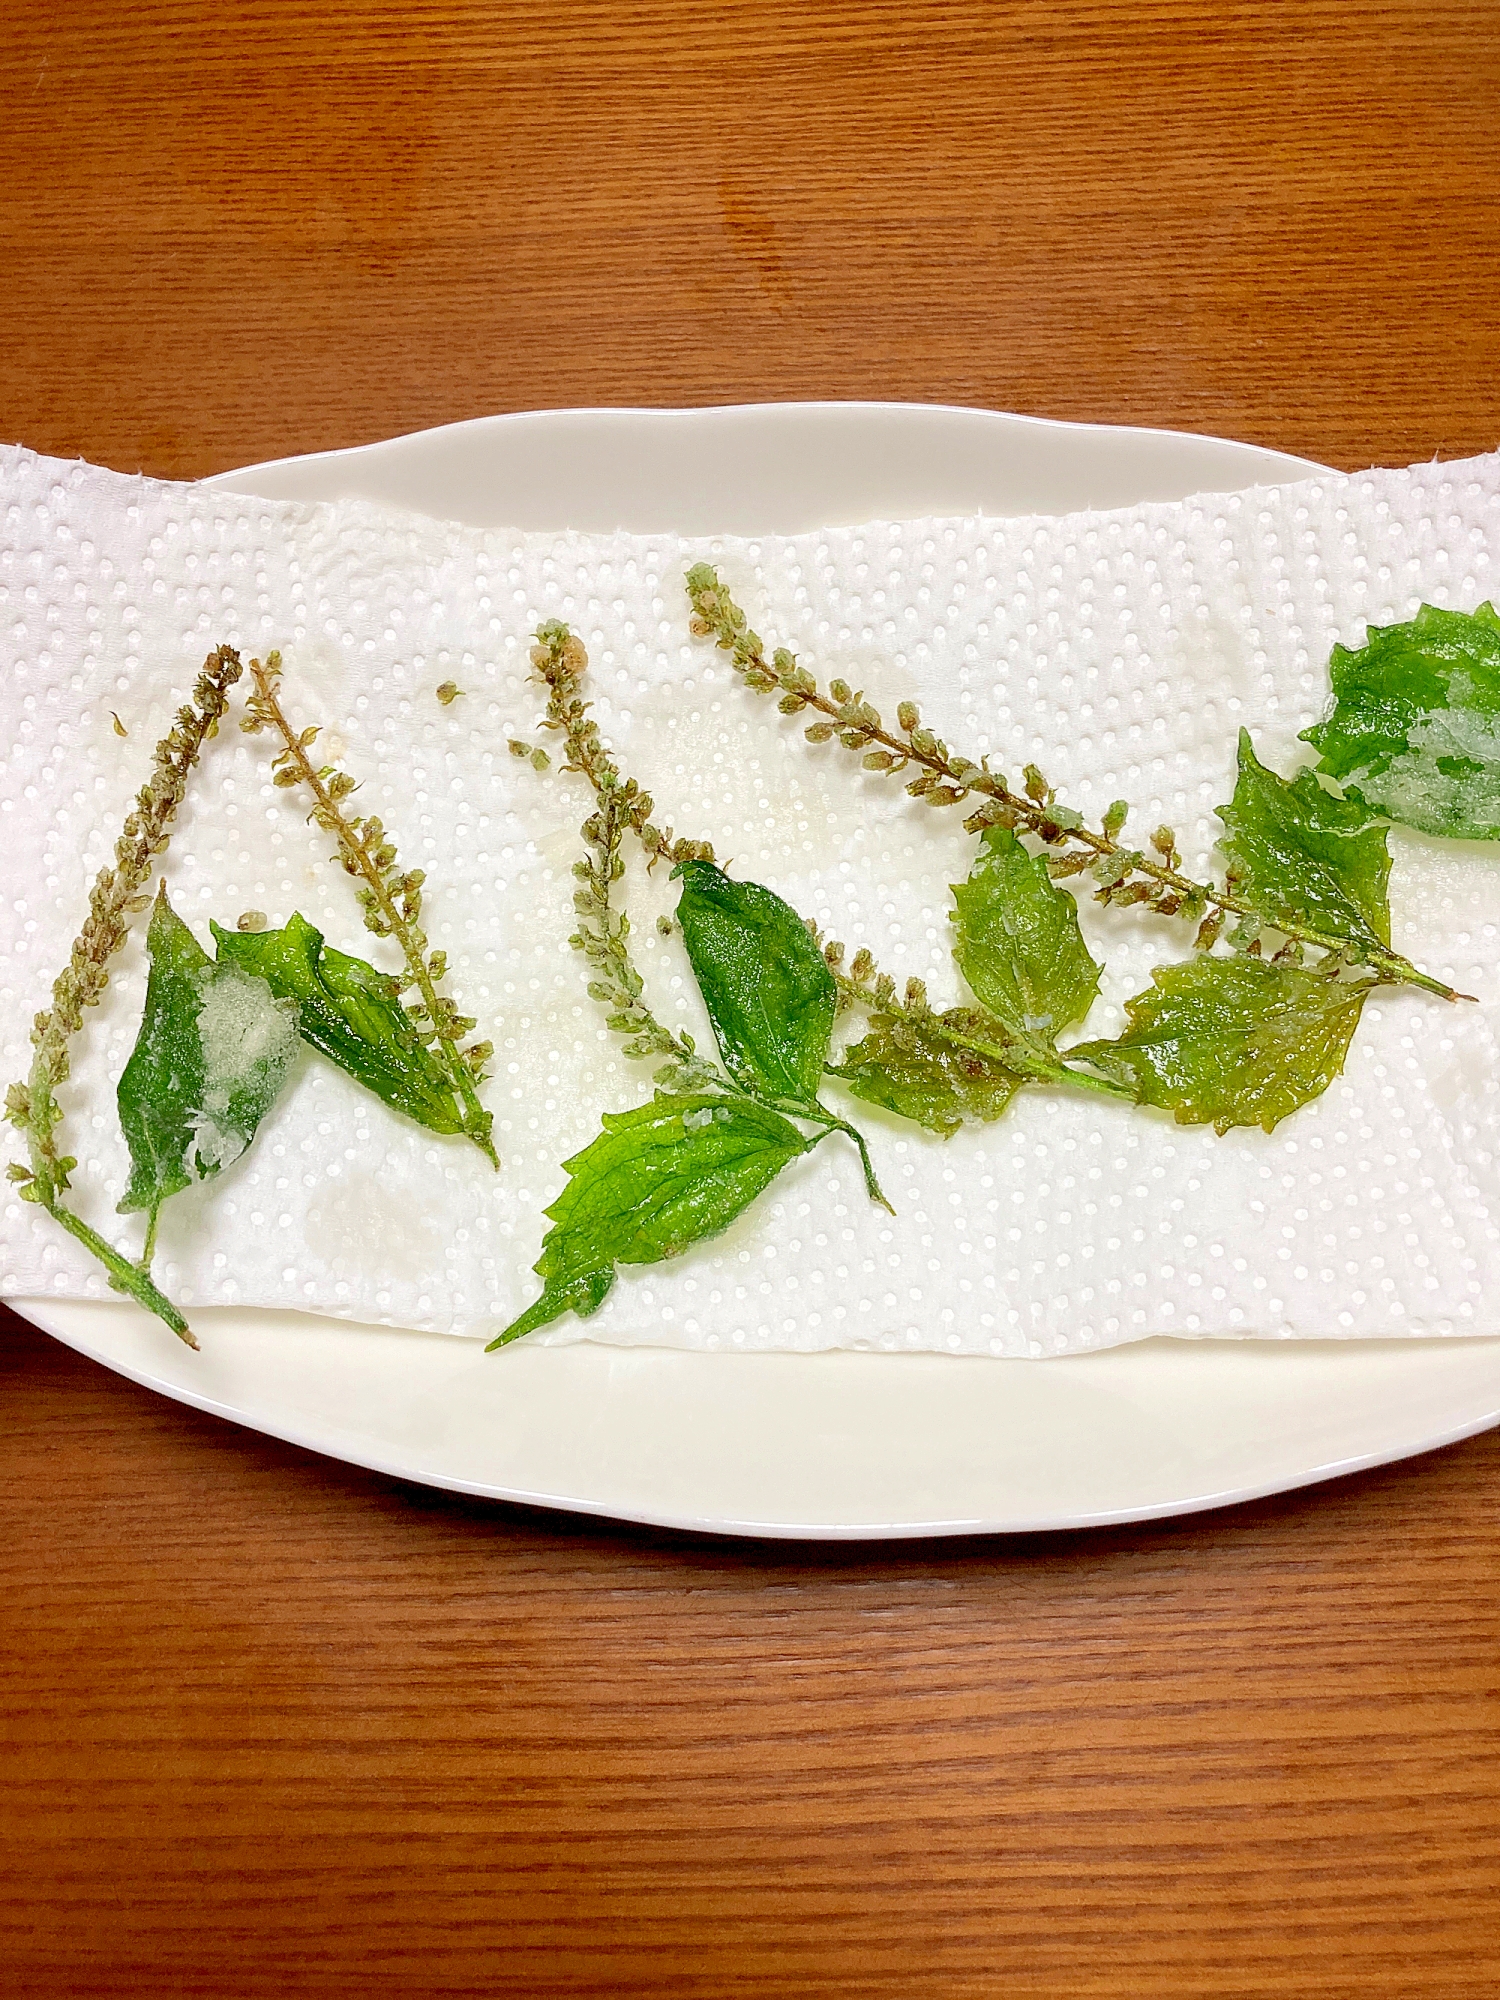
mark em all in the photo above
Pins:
pixel 273 1726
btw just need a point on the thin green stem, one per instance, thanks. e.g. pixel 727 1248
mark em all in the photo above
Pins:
pixel 1394 970
pixel 1085 1079
pixel 818 1114
pixel 123 1275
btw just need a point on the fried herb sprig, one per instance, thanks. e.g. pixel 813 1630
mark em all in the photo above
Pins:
pixel 118 894
pixel 561 662
pixel 1151 877
pixel 390 896
pixel 682 1168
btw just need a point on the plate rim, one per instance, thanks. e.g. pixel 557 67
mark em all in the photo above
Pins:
pixel 581 412
pixel 39 1313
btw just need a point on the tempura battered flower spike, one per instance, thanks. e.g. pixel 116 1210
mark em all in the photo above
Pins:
pixel 603 934
pixel 561 662
pixel 117 895
pixel 1152 877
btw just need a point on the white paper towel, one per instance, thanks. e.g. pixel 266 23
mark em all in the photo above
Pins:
pixel 1122 651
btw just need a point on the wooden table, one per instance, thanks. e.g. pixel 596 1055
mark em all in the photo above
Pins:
pixel 278 1727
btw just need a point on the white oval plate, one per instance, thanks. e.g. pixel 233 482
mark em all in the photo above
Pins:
pixel 825 1445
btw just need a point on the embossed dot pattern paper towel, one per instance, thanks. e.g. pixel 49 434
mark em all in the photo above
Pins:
pixel 1121 651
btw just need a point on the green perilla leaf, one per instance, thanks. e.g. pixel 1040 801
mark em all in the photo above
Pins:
pixel 657 1180
pixel 213 1051
pixel 1414 731
pixel 163 1078
pixel 1018 945
pixel 1304 855
pixel 769 995
pixel 930 1069
pixel 350 1012
pixel 1231 1041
